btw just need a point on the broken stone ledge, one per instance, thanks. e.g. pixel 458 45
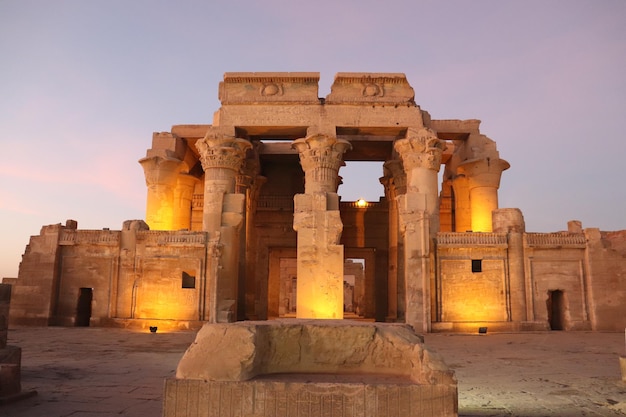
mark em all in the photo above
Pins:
pixel 290 367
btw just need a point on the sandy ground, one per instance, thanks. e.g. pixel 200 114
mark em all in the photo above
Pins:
pixel 565 374
pixel 89 372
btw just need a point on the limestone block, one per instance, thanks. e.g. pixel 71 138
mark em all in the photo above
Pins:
pixel 269 87
pixel 244 350
pixel 360 87
pixel 312 368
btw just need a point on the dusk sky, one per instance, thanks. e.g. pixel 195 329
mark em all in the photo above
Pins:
pixel 83 84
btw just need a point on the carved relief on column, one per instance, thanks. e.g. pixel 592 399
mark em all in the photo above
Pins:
pixel 221 157
pixel 321 156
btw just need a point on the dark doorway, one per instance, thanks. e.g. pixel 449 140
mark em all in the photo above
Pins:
pixel 83 307
pixel 556 310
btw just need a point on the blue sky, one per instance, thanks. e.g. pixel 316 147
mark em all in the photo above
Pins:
pixel 83 84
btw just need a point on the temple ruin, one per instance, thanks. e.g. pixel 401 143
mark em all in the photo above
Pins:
pixel 244 222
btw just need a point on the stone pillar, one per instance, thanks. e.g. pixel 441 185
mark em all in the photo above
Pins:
pixel 183 197
pixel 318 223
pixel 462 211
pixel 511 221
pixel 252 285
pixel 221 157
pixel 396 243
pixel 161 179
pixel 484 180
pixel 243 184
pixel 421 152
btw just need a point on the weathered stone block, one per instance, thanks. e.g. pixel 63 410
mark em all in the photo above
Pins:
pixel 309 367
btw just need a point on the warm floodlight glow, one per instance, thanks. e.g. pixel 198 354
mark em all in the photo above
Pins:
pixel 361 203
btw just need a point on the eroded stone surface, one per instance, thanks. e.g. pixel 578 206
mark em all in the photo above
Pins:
pixel 241 351
pixel 277 368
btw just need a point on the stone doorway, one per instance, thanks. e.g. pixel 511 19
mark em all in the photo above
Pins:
pixel 556 310
pixel 359 270
pixel 83 307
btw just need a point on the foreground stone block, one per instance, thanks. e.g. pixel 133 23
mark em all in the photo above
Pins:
pixel 310 368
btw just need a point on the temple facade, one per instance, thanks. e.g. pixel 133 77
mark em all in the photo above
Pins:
pixel 244 222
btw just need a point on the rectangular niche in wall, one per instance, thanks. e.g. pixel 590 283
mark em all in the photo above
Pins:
pixel 189 281
pixel 477 265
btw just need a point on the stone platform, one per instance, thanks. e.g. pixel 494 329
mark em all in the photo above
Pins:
pixel 310 368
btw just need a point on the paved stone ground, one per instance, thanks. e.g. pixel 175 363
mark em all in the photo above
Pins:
pixel 96 372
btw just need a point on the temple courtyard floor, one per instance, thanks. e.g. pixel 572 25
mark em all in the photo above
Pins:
pixel 89 372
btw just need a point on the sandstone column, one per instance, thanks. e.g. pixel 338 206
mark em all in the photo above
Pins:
pixel 161 176
pixel 421 152
pixel 319 227
pixel 183 197
pixel 221 157
pixel 394 183
pixel 483 177
pixel 462 211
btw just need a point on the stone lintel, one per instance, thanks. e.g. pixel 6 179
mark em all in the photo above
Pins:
pixel 190 131
pixel 269 87
pixel 454 129
pixel 363 87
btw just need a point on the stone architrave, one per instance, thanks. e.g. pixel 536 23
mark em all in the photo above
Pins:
pixel 319 227
pixel 421 153
pixel 223 213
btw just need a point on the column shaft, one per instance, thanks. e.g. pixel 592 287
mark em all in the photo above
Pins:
pixel 421 152
pixel 318 223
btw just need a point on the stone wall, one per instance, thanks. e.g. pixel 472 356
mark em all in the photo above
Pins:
pixel 606 252
pixel 571 281
pixel 129 274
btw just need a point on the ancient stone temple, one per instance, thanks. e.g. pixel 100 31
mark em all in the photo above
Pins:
pixel 244 222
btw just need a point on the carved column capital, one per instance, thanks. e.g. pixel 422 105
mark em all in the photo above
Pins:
pixel 484 172
pixel 321 156
pixel 222 152
pixel 160 170
pixel 420 148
